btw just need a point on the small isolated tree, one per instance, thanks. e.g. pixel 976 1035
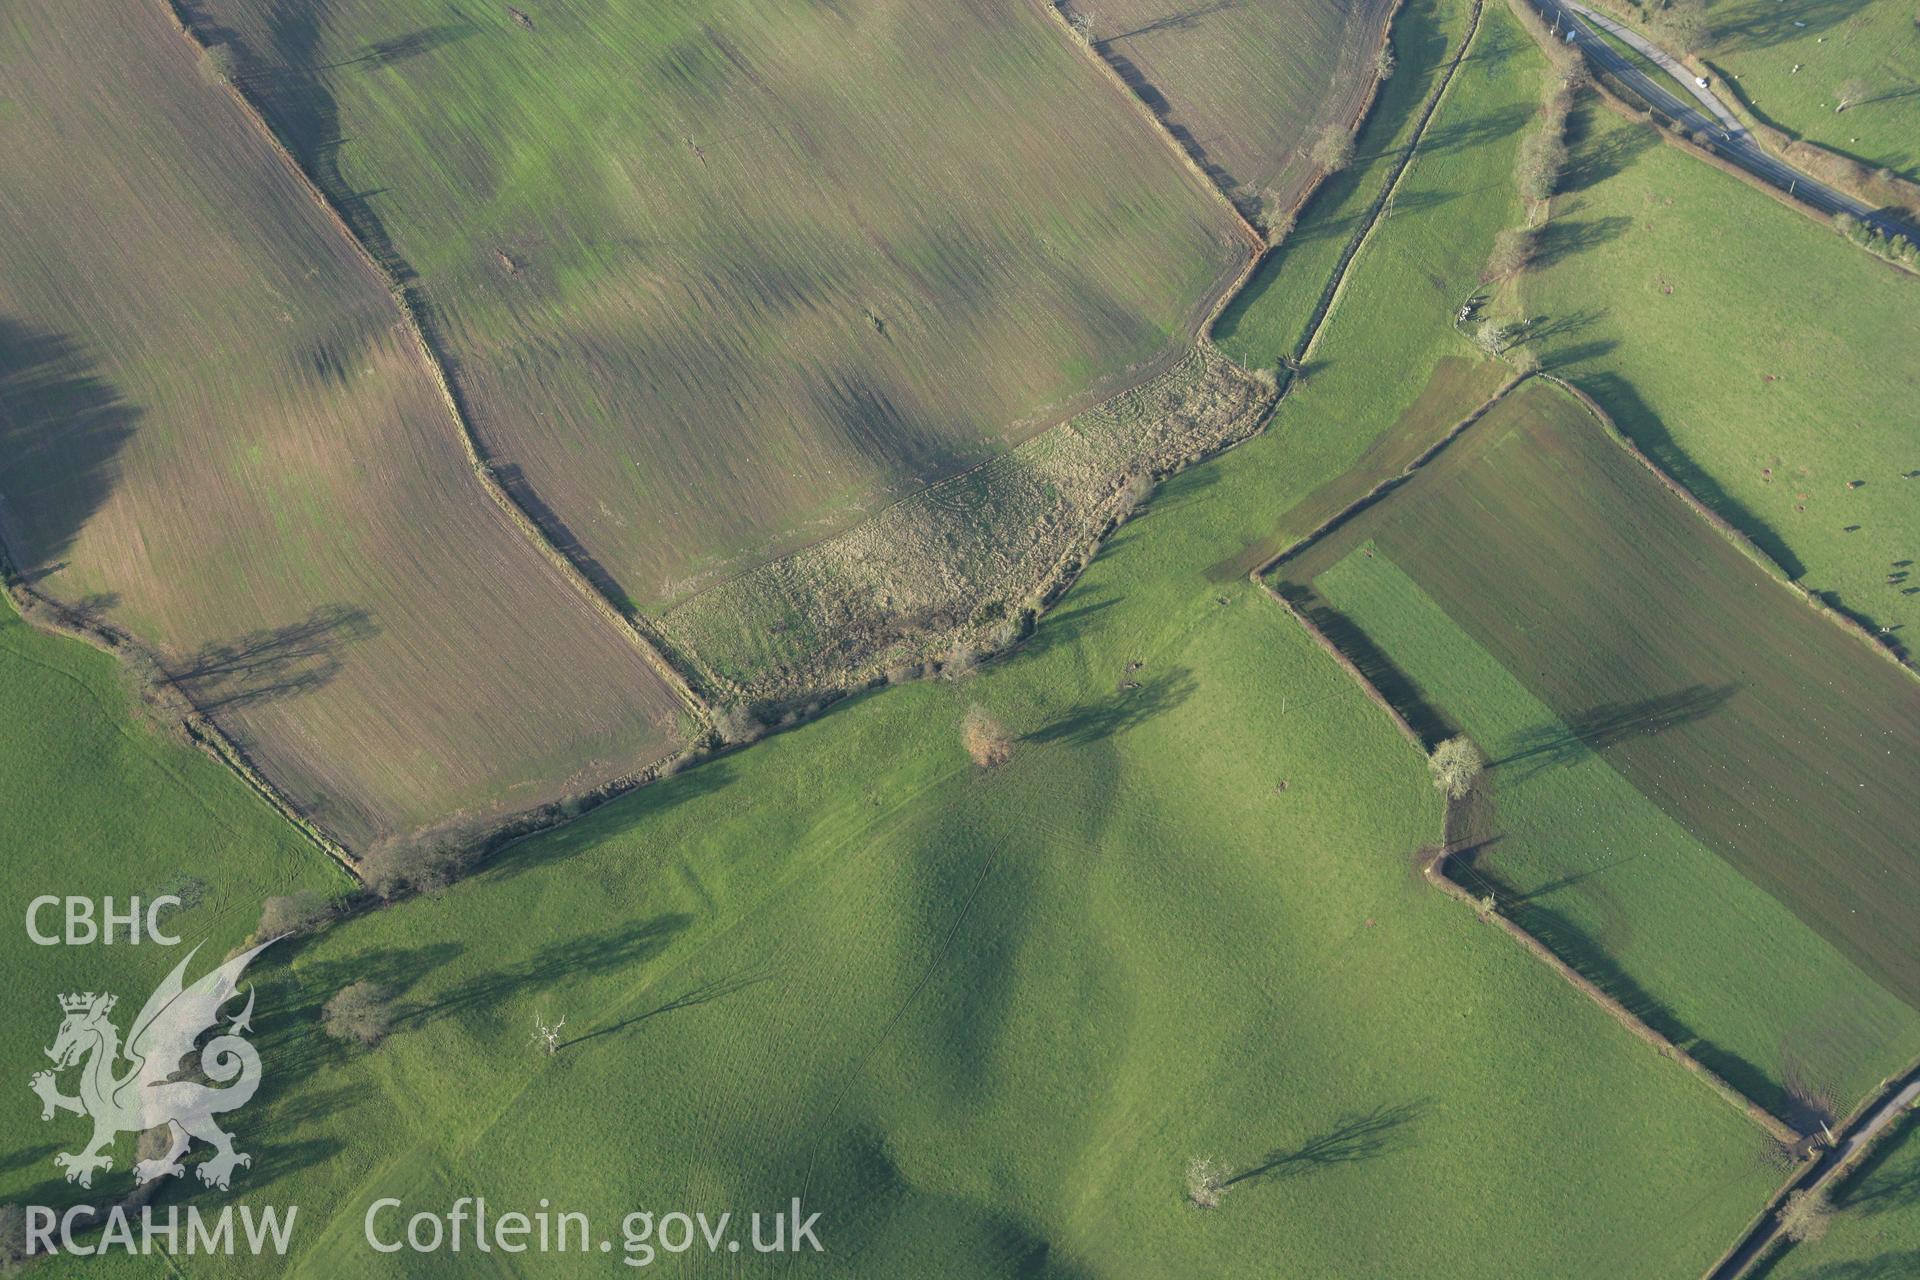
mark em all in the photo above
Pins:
pixel 1805 1215
pixel 1333 149
pixel 1280 223
pixel 986 739
pixel 1850 92
pixel 736 725
pixel 1524 359
pixel 1082 24
pixel 1455 764
pixel 219 64
pixel 962 658
pixel 1206 1182
pixel 397 865
pixel 361 1013
pixel 547 1038
pixel 293 913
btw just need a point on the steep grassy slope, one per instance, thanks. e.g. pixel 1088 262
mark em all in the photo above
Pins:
pixel 1758 357
pixel 99 805
pixel 216 434
pixel 982 1021
pixel 1580 622
pixel 718 278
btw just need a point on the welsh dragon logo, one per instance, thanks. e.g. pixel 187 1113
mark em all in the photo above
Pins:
pixel 149 1091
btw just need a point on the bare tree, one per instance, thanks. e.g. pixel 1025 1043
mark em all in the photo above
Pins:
pixel 1206 1182
pixel 1850 92
pixel 293 913
pixel 1333 149
pixel 547 1037
pixel 219 64
pixel 1805 1215
pixel 1383 63
pixel 418 864
pixel 1512 252
pixel 1456 763
pixel 986 739
pixel 736 725
pixel 360 1012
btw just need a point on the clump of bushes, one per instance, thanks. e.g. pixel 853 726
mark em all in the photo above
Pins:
pixel 293 914
pixel 987 741
pixel 361 1013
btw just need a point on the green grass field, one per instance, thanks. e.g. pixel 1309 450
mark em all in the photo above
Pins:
pixel 217 435
pixel 1794 57
pixel 1538 589
pixel 100 805
pixel 1761 359
pixel 982 1021
pixel 718 279
pixel 1247 87
pixel 1876 1233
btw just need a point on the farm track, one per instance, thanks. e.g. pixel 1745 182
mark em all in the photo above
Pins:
pixel 411 308
pixel 1854 1140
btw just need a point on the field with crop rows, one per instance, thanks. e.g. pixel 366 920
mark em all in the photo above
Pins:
pixel 1660 715
pixel 719 279
pixel 219 437
pixel 1246 87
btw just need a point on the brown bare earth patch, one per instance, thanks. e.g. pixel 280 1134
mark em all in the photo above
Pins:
pixel 217 434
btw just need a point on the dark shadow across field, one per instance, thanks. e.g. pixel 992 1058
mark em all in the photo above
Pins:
pixel 61 428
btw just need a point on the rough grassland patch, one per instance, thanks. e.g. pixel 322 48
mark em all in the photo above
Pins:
pixel 965 556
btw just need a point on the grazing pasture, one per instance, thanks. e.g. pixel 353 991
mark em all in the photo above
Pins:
pixel 99 804
pixel 1245 87
pixel 983 1019
pixel 1758 357
pixel 218 436
pixel 716 280
pixel 1660 715
pixel 1874 1233
pixel 1798 60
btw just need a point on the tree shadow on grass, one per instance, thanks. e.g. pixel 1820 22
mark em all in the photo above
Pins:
pixel 1760 25
pixel 1596 160
pixel 1128 709
pixel 1353 1138
pixel 593 954
pixel 1564 238
pixel 704 993
pixel 61 427
pixel 1643 426
pixel 610 820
